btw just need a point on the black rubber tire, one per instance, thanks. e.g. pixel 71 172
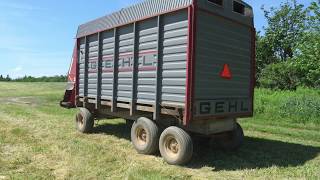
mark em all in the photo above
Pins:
pixel 185 146
pixel 149 145
pixel 129 123
pixel 233 140
pixel 84 121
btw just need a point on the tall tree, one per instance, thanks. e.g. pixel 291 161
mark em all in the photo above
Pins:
pixel 307 57
pixel 314 16
pixel 286 26
pixel 288 55
pixel 264 55
pixel 8 78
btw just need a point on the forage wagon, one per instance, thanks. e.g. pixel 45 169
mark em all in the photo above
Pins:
pixel 176 68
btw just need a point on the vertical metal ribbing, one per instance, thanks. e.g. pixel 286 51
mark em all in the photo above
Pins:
pixel 99 78
pixel 115 70
pixel 157 107
pixel 78 69
pixel 135 69
pixel 86 66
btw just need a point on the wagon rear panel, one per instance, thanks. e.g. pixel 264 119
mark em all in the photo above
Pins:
pixel 224 67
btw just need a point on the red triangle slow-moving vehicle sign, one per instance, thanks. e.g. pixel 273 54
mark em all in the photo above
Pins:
pixel 226 73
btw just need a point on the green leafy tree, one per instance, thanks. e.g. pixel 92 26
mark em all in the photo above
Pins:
pixel 264 55
pixel 286 26
pixel 288 55
pixel 60 78
pixel 307 60
pixel 307 56
pixel 279 76
pixel 8 78
pixel 314 16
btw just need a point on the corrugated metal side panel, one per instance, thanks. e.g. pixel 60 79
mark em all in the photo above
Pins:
pixel 175 57
pixel 92 65
pixel 126 41
pixel 81 66
pixel 173 47
pixel 145 9
pixel 107 64
pixel 222 42
pixel 148 40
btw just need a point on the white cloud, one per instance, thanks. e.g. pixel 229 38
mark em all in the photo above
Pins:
pixel 17 69
pixel 35 64
pixel 15 72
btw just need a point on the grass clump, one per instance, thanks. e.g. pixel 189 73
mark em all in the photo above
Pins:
pixel 301 109
pixel 301 106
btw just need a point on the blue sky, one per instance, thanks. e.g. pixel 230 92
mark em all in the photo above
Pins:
pixel 37 36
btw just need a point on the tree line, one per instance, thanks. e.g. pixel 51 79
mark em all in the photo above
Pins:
pixel 60 78
pixel 288 53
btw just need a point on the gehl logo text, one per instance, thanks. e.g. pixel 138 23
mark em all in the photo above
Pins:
pixel 220 107
pixel 146 60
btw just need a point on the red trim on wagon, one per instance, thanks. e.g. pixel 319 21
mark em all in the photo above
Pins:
pixel 108 70
pixel 188 114
pixel 77 68
pixel 126 69
pixel 76 71
pixel 253 68
pixel 142 68
pixel 194 37
pixel 129 54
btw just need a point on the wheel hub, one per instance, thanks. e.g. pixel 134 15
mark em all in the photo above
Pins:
pixel 80 120
pixel 172 146
pixel 141 135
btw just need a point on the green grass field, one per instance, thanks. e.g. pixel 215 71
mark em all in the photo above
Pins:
pixel 38 140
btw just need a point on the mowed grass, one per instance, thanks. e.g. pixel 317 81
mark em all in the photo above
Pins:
pixel 38 141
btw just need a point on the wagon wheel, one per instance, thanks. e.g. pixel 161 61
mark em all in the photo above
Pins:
pixel 232 140
pixel 145 136
pixel 84 121
pixel 176 146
